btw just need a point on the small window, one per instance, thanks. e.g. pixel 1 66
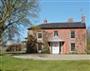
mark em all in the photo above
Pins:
pixel 72 46
pixel 39 34
pixel 72 34
pixel 55 33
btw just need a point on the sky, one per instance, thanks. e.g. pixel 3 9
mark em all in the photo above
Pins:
pixel 61 10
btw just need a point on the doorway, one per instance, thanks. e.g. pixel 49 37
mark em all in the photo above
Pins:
pixel 55 47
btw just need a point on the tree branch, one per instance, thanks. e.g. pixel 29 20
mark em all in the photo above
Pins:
pixel 13 22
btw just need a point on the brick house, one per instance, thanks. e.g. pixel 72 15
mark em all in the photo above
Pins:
pixel 64 38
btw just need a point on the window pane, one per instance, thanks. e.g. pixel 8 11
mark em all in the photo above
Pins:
pixel 39 35
pixel 72 34
pixel 55 44
pixel 72 46
pixel 55 33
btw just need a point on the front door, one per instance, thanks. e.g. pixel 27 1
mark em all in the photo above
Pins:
pixel 55 48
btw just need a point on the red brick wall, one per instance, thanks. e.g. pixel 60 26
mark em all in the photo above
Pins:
pixel 79 40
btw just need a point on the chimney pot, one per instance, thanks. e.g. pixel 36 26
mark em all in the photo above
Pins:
pixel 83 19
pixel 45 21
pixel 70 20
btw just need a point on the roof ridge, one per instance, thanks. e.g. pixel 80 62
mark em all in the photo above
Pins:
pixel 62 25
pixel 60 22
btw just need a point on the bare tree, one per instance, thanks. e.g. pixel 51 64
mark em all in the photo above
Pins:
pixel 14 13
pixel 46 44
pixel 32 40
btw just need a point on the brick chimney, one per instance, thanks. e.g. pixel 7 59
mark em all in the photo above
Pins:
pixel 45 21
pixel 83 19
pixel 70 20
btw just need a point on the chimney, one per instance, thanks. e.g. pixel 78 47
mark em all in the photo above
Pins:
pixel 83 19
pixel 45 21
pixel 70 20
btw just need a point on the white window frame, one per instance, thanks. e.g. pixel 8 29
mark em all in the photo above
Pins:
pixel 37 36
pixel 54 33
pixel 71 47
pixel 71 34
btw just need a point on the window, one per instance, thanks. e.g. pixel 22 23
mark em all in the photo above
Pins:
pixel 39 34
pixel 55 33
pixel 72 46
pixel 72 34
pixel 55 44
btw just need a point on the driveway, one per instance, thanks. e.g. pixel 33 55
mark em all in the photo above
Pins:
pixel 53 57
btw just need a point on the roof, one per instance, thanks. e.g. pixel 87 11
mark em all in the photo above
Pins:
pixel 65 25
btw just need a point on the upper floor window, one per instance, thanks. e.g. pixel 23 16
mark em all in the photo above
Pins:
pixel 55 33
pixel 39 34
pixel 72 34
pixel 72 46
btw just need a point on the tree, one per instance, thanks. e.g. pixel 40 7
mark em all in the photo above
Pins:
pixel 46 44
pixel 33 41
pixel 31 44
pixel 15 13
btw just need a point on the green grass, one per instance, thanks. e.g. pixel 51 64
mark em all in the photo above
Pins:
pixel 8 63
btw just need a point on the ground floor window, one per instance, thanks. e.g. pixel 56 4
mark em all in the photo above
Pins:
pixel 39 35
pixel 72 46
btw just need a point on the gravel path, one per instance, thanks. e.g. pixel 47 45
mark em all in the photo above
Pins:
pixel 53 57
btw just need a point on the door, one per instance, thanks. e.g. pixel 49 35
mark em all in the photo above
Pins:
pixel 55 48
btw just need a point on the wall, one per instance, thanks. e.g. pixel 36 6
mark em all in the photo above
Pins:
pixel 79 40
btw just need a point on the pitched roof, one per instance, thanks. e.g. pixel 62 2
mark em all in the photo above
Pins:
pixel 65 25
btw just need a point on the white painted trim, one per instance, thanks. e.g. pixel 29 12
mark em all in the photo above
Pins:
pixel 55 50
pixel 54 32
pixel 40 38
pixel 70 47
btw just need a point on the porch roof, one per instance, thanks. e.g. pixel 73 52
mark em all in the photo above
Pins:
pixel 55 39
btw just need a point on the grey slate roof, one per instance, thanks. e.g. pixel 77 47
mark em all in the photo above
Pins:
pixel 65 25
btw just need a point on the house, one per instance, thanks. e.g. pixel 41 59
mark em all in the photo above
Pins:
pixel 13 46
pixel 64 38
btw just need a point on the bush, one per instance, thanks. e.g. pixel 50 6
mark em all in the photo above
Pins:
pixel 88 51
pixel 14 48
pixel 74 52
pixel 45 50
pixel 31 49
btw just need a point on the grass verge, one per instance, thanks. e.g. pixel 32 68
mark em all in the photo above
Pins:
pixel 8 63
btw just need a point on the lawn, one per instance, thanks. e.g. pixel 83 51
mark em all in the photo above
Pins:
pixel 8 63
